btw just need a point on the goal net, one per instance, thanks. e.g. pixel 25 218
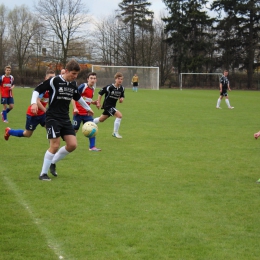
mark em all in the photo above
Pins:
pixel 148 77
pixel 199 80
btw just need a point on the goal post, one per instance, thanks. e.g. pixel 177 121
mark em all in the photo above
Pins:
pixel 148 77
pixel 218 76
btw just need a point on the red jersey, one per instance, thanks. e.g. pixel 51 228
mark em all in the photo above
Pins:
pixel 87 94
pixel 44 100
pixel 5 84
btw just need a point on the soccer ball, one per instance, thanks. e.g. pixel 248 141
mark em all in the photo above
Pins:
pixel 90 129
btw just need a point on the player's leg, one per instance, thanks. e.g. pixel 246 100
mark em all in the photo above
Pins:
pixel 228 103
pixel 102 118
pixel 48 157
pixel 31 124
pixel 117 123
pixel 219 101
pixel 92 140
pixel 52 127
pixel 68 135
pixel 10 105
pixel 3 113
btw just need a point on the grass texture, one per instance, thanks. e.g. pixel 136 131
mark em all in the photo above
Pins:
pixel 179 185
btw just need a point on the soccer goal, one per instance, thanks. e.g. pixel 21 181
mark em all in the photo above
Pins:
pixel 199 80
pixel 148 76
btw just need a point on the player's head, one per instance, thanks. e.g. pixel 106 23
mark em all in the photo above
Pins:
pixel 49 73
pixel 225 72
pixel 7 70
pixel 118 78
pixel 72 70
pixel 92 79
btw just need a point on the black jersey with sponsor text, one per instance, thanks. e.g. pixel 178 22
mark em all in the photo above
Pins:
pixel 112 94
pixel 61 92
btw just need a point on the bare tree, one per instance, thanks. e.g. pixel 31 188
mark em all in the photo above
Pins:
pixel 3 40
pixel 23 26
pixel 64 18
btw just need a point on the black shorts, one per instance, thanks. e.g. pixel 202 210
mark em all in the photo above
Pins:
pixel 59 128
pixel 109 111
pixel 135 84
pixel 224 93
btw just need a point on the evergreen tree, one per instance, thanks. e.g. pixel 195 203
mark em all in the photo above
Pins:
pixel 239 30
pixel 135 14
pixel 190 36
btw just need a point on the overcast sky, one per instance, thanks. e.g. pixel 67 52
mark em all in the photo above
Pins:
pixel 97 8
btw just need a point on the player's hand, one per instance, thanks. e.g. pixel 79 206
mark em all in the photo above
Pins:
pixel 90 112
pixel 256 135
pixel 121 100
pixel 34 109
pixel 98 105
pixel 75 111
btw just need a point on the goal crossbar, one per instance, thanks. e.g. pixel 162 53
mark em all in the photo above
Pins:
pixel 180 76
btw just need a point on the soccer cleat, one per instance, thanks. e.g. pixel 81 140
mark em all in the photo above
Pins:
pixel 44 177
pixel 116 135
pixel 5 121
pixel 218 108
pixel 94 149
pixel 53 170
pixel 258 181
pixel 6 135
pixel 231 107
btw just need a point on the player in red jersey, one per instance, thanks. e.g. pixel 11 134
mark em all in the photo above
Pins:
pixel 86 90
pixel 7 85
pixel 32 120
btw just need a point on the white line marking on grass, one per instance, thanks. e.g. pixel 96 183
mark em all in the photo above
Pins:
pixel 45 232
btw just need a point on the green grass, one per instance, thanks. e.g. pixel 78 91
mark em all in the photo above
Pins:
pixel 179 185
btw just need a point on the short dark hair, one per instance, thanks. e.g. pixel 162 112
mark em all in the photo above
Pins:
pixel 91 74
pixel 72 65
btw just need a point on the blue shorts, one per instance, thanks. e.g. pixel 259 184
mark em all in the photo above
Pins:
pixel 77 119
pixel 7 100
pixel 33 121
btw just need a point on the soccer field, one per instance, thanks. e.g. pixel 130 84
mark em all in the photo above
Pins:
pixel 179 185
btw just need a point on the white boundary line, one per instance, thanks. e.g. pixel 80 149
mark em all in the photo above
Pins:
pixel 51 242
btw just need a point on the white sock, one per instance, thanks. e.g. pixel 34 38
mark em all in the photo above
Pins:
pixel 60 154
pixel 218 103
pixel 47 162
pixel 227 102
pixel 117 124
pixel 96 120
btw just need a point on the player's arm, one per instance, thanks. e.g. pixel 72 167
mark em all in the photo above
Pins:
pixel 229 86
pixel 220 87
pixel 98 104
pixel 86 106
pixel 41 88
pixel 75 110
pixel 39 104
pixel 100 94
pixel 34 106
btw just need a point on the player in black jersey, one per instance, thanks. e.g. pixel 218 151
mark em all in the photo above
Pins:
pixel 112 93
pixel 62 89
pixel 223 87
